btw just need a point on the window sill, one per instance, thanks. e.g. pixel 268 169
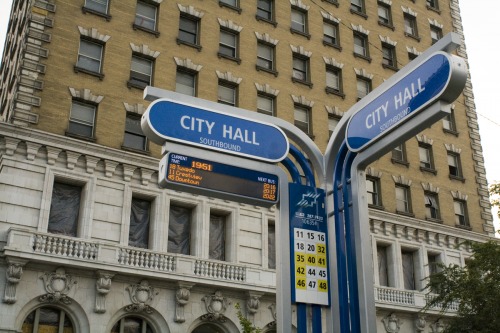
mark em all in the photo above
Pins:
pixel 81 137
pixel 86 71
pixel 429 170
pixel 404 163
pixel 412 36
pixel 86 10
pixel 435 220
pixel 298 32
pixel 452 132
pixel 267 70
pixel 378 207
pixel 237 9
pixel 459 178
pixel 149 31
pixel 306 83
pixel 135 150
pixel 393 68
pixel 357 55
pixel 335 46
pixel 405 213
pixel 332 91
pixel 466 227
pixel 363 15
pixel 225 56
pixel 132 84
pixel 434 9
pixel 333 2
pixel 387 25
pixel 182 42
pixel 263 19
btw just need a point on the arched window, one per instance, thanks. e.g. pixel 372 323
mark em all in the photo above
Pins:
pixel 47 320
pixel 208 328
pixel 132 324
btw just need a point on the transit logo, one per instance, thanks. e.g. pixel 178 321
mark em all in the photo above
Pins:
pixel 309 199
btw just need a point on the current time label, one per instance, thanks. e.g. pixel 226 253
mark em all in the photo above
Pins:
pixel 311 276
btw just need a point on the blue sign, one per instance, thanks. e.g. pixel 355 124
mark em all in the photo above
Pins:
pixel 308 245
pixel 418 89
pixel 167 120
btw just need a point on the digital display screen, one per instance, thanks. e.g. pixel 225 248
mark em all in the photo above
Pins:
pixel 222 178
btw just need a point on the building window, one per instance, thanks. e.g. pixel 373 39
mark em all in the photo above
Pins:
pixel 271 245
pixel 389 56
pixel 403 203
pixel 48 319
pixel 398 154
pixel 179 229
pixel 265 57
pixel 425 155
pixel 412 56
pixel 334 80
pixel 332 124
pixel 409 278
pixel 146 16
pixel 265 10
pixel 227 94
pixel 90 56
pixel 266 104
pixel 132 324
pixel 134 137
pixel 454 166
pixel 64 209
pixel 233 4
pixel 461 218
pixel 364 86
pixel 185 82
pixel 302 116
pixel 433 4
pixel 299 22
pixel 331 34
pixel 383 265
pixel 361 46
pixel 217 236
pixel 433 261
pixel 300 71
pixel 410 26
pixel 228 45
pixel 384 15
pixel 140 211
pixel 449 124
pixel 358 6
pixel 189 27
pixel 373 190
pixel 431 206
pixel 436 33
pixel 97 6
pixel 141 72
pixel 82 119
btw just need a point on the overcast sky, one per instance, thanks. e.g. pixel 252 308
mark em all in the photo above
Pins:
pixel 479 18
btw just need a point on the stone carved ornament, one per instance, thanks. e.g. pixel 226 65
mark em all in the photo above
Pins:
pixel 216 306
pixel 181 299
pixel 13 275
pixel 57 285
pixel 392 323
pixel 103 287
pixel 141 295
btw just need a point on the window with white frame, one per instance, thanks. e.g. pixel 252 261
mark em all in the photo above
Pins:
pixel 409 269
pixel 228 44
pixel 97 6
pixel 331 33
pixel 398 154
pixel 361 45
pixel 433 261
pixel 449 124
pixel 383 265
pixel 146 16
pixel 410 22
pixel 134 137
pixel 300 72
pixel 460 208
pixel 265 10
pixel 266 104
pixel 363 86
pixel 140 212
pixel 432 206
pixel 90 56
pixel 374 195
pixel 403 199
pixel 433 4
pixel 217 236
pixel 141 72
pixel 389 56
pixel 64 209
pixel 425 155
pixel 358 6
pixel 179 229
pixel 334 80
pixel 82 119
pixel 185 82
pixel 333 121
pixel 266 56
pixel 302 119
pixel 227 93
pixel 436 33
pixel 233 4
pixel 189 30
pixel 454 165
pixel 299 21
